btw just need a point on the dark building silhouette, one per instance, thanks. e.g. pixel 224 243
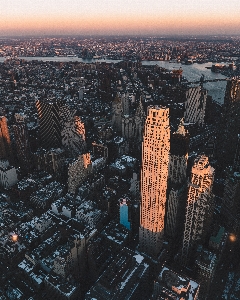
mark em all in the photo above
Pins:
pixel 49 120
pixel 179 142
pixel 229 126
pixel 231 203
pixel 22 145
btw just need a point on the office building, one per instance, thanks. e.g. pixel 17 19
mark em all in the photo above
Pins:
pixel 125 212
pixel 125 103
pixel 125 278
pixel 72 132
pixel 179 142
pixel 117 114
pixel 154 174
pixel 199 206
pixel 229 125
pixel 195 105
pixel 205 265
pixel 140 117
pixel 231 196
pixel 49 121
pixel 172 285
pixel 5 143
pixel 230 207
pixel 22 145
pixel 8 175
pixel 78 171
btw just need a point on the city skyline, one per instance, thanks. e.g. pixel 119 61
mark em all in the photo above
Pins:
pixel 105 18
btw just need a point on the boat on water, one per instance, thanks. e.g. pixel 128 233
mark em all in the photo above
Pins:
pixel 218 68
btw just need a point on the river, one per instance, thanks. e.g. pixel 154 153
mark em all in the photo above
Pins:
pixel 190 72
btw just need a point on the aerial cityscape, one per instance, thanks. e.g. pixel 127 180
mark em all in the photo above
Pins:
pixel 119 151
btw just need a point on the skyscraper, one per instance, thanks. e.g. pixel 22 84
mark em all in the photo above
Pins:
pixel 117 114
pixel 231 196
pixel 177 180
pixel 5 143
pixel 72 132
pixel 229 126
pixel 139 120
pixel 22 145
pixel 49 120
pixel 154 173
pixel 178 155
pixel 195 105
pixel 125 103
pixel 199 205
pixel 125 214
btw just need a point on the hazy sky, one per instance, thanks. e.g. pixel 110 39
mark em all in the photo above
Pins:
pixel 119 17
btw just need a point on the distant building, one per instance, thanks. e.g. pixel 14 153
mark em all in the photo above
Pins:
pixel 199 206
pixel 125 103
pixel 154 173
pixel 117 114
pixel 172 285
pixel 140 121
pixel 132 125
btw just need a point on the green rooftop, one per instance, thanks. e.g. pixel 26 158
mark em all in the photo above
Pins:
pixel 216 239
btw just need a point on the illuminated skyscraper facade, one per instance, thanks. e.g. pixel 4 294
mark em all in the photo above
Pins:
pixel 72 132
pixel 199 205
pixel 5 143
pixel 154 174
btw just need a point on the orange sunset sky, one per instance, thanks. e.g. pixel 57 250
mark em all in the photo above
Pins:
pixel 119 17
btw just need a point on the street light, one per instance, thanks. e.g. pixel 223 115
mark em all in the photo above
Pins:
pixel 14 238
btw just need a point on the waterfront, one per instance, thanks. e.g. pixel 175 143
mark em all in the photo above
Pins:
pixel 194 72
pixel 190 72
